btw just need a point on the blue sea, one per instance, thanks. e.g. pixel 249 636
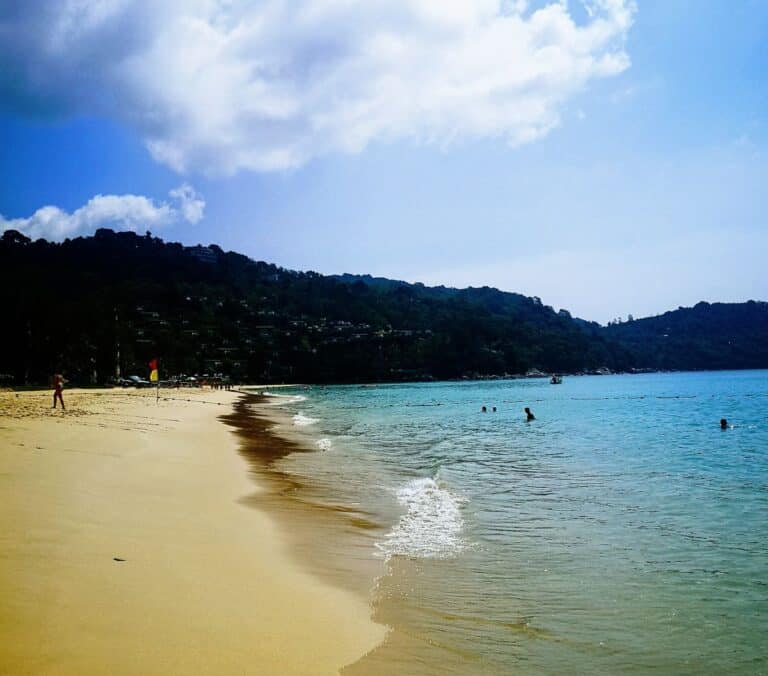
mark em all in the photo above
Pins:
pixel 621 531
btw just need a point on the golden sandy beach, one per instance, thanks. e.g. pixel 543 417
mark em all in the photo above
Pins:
pixel 128 547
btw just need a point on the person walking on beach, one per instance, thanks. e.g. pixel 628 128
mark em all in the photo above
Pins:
pixel 529 415
pixel 58 386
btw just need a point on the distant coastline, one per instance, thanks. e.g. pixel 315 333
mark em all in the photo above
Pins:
pixel 202 312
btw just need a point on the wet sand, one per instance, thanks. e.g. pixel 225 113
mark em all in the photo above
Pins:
pixel 130 545
pixel 331 539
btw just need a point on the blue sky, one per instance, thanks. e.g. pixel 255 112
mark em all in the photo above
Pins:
pixel 625 175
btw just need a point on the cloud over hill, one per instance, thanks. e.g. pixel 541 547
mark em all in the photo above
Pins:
pixel 121 212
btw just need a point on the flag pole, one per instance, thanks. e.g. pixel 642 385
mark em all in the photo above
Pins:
pixel 154 377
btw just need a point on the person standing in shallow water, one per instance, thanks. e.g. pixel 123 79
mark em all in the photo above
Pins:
pixel 529 415
pixel 58 386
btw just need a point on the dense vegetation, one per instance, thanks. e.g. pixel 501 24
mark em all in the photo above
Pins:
pixel 95 306
pixel 706 336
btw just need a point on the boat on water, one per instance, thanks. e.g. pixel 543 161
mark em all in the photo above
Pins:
pixel 556 379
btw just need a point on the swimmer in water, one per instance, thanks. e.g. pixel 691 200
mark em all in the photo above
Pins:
pixel 484 409
pixel 494 409
pixel 723 424
pixel 529 415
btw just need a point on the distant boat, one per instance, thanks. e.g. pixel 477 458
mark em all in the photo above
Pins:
pixel 556 380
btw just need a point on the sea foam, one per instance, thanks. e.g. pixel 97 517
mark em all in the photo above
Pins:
pixel 432 526
pixel 286 398
pixel 301 420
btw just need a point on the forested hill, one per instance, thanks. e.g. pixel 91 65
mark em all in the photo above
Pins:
pixel 706 336
pixel 93 305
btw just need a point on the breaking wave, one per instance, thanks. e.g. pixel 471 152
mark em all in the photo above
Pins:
pixel 432 526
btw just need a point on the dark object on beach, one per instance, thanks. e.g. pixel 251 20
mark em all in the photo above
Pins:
pixel 58 386
pixel 723 424
pixel 529 415
pixel 115 558
pixel 484 409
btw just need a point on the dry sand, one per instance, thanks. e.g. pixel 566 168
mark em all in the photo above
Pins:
pixel 207 584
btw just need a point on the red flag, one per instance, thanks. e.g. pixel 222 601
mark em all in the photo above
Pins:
pixel 153 365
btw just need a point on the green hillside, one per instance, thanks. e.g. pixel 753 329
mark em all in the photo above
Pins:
pixel 93 306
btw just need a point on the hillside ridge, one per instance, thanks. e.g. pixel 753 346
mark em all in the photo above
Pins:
pixel 101 306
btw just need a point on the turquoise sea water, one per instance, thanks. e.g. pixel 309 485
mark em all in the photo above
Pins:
pixel 622 531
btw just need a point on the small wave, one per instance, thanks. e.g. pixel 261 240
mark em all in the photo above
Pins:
pixel 432 525
pixel 301 420
pixel 324 444
pixel 287 398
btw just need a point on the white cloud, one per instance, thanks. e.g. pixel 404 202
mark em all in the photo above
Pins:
pixel 120 212
pixel 220 85
pixel 191 204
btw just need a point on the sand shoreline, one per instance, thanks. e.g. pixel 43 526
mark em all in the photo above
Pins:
pixel 328 537
pixel 206 584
